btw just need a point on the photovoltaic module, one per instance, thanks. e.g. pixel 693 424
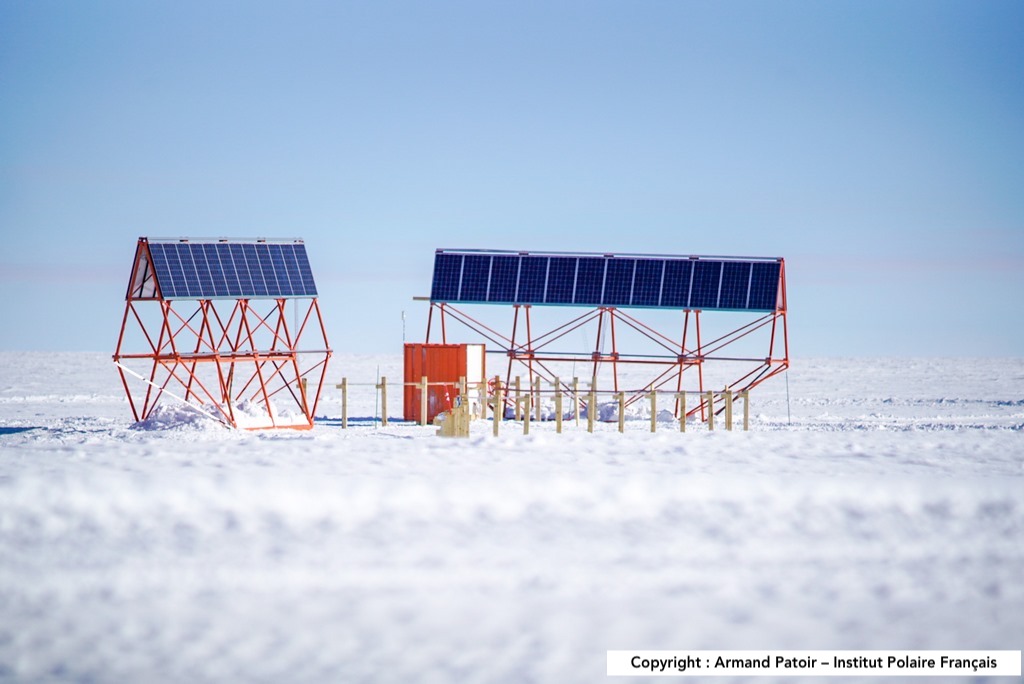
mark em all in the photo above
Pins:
pixel 683 282
pixel 212 269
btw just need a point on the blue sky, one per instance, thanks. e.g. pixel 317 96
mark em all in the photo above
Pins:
pixel 877 146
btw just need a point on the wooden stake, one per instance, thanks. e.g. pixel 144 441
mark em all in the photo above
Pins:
pixel 537 402
pixel 576 398
pixel 711 409
pixel 654 410
pixel 591 407
pixel 526 415
pixel 558 406
pixel 344 402
pixel 728 409
pixel 746 409
pixel 682 411
pixel 499 405
pixel 622 411
pixel 424 400
pixel 383 387
pixel 518 416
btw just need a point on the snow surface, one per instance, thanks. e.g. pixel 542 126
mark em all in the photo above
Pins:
pixel 884 512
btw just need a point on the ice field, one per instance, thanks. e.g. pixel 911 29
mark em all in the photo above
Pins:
pixel 881 507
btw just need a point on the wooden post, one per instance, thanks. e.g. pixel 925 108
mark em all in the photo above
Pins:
pixel 461 415
pixel 456 421
pixel 383 387
pixel 728 409
pixel 499 405
pixel 682 411
pixel 576 398
pixel 344 402
pixel 746 409
pixel 558 406
pixel 591 407
pixel 424 400
pixel 517 398
pixel 622 411
pixel 711 409
pixel 537 402
pixel 654 410
pixel 304 382
pixel 481 392
pixel 526 414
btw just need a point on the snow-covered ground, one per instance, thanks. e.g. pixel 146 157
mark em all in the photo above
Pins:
pixel 882 507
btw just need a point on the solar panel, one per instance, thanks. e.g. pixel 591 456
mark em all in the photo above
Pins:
pixel 647 282
pixel 504 274
pixel 447 277
pixel 618 286
pixel 707 277
pixel 203 276
pixel 561 280
pixel 208 270
pixel 255 268
pixel 601 280
pixel 216 269
pixel 589 281
pixel 735 285
pixel 284 283
pixel 236 270
pixel 303 274
pixel 476 272
pixel 533 280
pixel 764 286
pixel 675 289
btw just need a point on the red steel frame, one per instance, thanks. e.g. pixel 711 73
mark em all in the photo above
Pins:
pixel 679 355
pixel 222 355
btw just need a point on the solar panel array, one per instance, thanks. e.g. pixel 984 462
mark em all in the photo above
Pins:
pixel 241 270
pixel 599 280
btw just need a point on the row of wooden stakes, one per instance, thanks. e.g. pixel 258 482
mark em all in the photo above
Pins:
pixel 525 407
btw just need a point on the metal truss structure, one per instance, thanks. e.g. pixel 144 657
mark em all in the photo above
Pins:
pixel 221 345
pixel 673 362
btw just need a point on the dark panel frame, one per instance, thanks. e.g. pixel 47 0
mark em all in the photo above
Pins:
pixel 711 283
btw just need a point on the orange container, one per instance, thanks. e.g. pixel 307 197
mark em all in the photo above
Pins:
pixel 443 363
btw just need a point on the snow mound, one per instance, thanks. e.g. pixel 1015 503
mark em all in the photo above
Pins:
pixel 178 417
pixel 247 414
